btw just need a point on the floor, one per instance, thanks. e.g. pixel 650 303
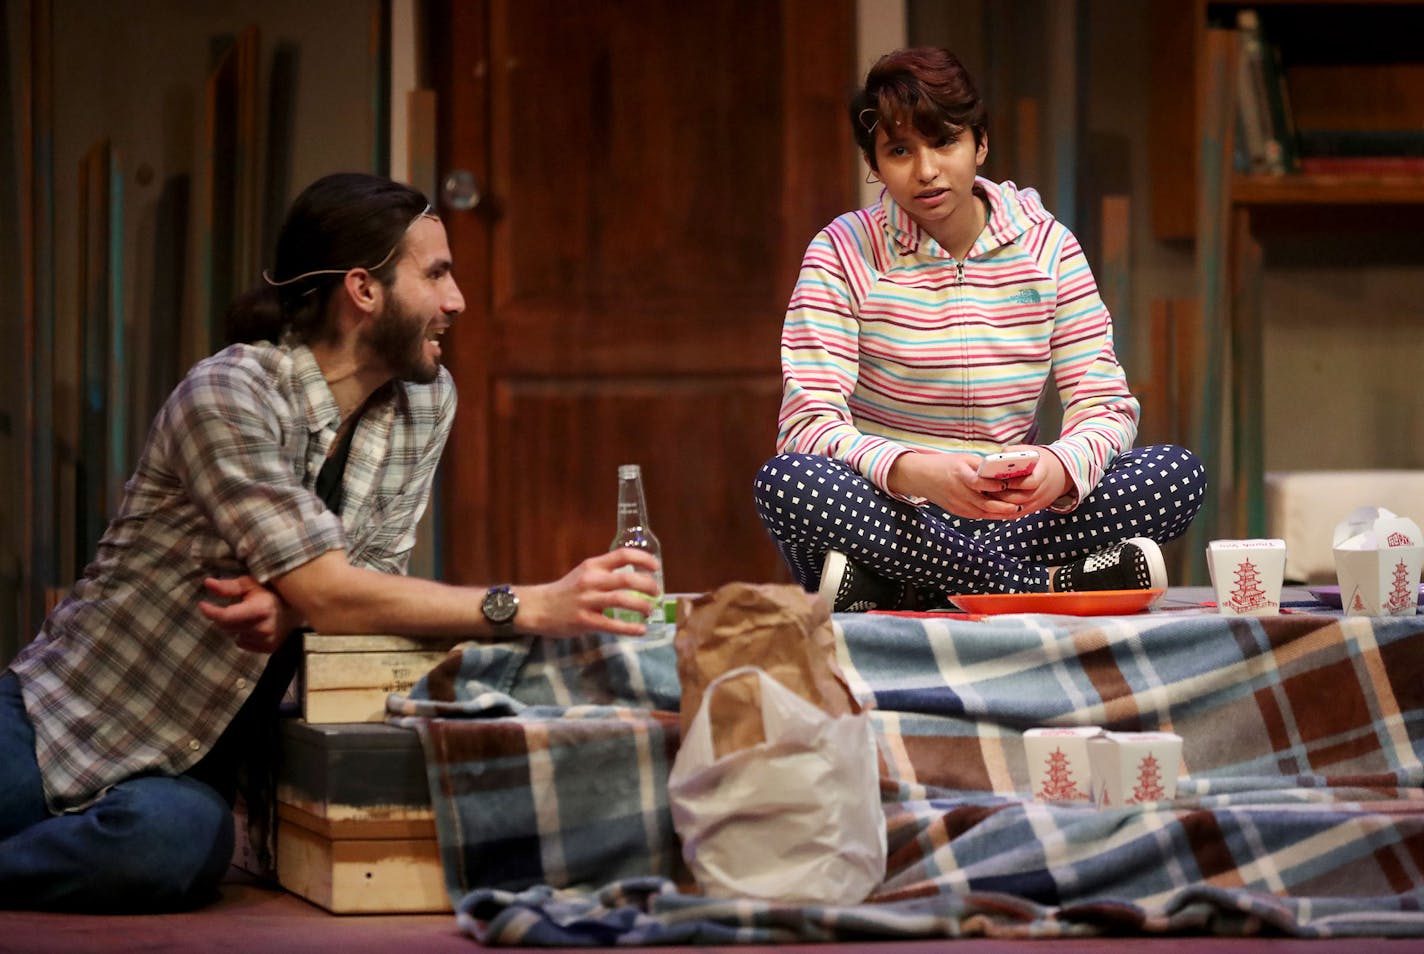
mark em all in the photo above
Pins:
pixel 252 917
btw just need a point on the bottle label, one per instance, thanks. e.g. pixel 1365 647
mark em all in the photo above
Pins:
pixel 655 611
pixel 662 610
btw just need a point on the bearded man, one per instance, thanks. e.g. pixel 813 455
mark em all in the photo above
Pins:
pixel 279 488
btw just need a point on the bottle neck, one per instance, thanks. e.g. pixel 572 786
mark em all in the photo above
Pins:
pixel 632 509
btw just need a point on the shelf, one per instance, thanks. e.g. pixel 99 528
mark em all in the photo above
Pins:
pixel 1310 3
pixel 1327 190
pixel 1336 66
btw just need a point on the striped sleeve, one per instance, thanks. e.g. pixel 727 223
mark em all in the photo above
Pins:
pixel 1100 414
pixel 820 351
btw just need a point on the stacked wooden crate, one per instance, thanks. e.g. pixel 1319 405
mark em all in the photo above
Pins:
pixel 355 829
pixel 347 678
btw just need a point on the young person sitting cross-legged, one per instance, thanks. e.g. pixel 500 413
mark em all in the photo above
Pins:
pixel 920 335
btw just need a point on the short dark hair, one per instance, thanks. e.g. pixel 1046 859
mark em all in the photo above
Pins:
pixel 923 87
pixel 341 221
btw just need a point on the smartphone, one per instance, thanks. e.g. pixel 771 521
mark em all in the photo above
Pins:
pixel 1008 464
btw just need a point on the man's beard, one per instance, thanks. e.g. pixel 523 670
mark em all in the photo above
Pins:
pixel 398 335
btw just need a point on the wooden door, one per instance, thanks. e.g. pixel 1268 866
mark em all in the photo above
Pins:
pixel 652 172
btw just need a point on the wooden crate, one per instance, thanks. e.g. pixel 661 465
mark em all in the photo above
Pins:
pixel 347 678
pixel 355 828
pixel 361 867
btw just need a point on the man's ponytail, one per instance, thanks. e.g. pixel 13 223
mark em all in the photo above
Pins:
pixel 256 316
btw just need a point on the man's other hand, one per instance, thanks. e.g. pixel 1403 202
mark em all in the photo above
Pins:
pixel 255 615
pixel 574 605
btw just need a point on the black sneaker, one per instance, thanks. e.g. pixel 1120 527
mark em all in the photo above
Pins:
pixel 849 588
pixel 1134 564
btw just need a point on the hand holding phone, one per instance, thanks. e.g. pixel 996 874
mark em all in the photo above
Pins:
pixel 1008 465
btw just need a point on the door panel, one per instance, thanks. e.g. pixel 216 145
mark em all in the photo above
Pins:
pixel 698 490
pixel 653 172
pixel 654 181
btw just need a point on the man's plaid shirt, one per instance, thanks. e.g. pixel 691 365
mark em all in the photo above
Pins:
pixel 126 675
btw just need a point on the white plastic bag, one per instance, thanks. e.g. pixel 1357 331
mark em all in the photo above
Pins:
pixel 795 819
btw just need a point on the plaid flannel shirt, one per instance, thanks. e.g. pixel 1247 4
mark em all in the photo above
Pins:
pixel 126 675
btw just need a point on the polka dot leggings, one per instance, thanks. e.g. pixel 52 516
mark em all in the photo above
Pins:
pixel 810 504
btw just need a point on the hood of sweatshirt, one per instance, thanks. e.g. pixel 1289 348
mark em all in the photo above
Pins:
pixel 1012 212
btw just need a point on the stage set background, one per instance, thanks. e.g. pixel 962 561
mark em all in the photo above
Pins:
pixel 650 174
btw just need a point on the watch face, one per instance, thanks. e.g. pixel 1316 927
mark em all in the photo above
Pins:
pixel 500 605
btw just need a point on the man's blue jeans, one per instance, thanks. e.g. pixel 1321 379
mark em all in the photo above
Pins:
pixel 152 843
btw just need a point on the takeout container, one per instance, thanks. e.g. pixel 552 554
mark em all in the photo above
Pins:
pixel 1058 766
pixel 1133 768
pixel 1378 559
pixel 1108 769
pixel 1247 576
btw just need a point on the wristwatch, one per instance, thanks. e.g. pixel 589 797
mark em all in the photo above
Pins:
pixel 499 606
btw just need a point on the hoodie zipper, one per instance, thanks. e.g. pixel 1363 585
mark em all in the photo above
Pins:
pixel 964 363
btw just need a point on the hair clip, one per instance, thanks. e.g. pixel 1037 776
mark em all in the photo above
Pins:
pixel 869 127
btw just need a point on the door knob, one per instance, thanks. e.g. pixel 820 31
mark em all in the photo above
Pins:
pixel 460 191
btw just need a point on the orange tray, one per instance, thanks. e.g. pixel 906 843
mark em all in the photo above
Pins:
pixel 1100 603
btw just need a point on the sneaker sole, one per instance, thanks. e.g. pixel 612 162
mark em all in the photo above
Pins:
pixel 832 573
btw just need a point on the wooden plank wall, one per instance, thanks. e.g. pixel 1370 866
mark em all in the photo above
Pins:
pixel 1210 353
pixel 13 385
pixel 36 183
pixel 230 228
pixel 98 338
pixel 1247 374
pixel 163 306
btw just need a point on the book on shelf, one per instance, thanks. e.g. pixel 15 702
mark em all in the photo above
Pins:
pixel 1252 120
pixel 1282 117
pixel 1264 123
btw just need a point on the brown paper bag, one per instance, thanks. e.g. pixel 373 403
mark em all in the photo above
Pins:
pixel 779 628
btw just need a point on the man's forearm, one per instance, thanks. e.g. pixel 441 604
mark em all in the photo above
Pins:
pixel 338 598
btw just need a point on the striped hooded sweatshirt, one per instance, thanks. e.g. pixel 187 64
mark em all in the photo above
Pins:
pixel 892 346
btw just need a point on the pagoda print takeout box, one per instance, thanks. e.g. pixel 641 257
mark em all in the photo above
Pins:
pixel 1058 767
pixel 1108 769
pixel 1378 559
pixel 1247 576
pixel 1134 768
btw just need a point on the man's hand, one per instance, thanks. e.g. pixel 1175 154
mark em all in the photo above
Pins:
pixel 256 615
pixel 574 605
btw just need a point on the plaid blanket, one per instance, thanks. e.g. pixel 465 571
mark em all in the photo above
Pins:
pixel 1301 811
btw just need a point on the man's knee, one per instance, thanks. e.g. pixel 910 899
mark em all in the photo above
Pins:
pixel 161 843
pixel 21 789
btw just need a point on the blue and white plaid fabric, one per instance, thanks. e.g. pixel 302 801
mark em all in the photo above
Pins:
pixel 1301 810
